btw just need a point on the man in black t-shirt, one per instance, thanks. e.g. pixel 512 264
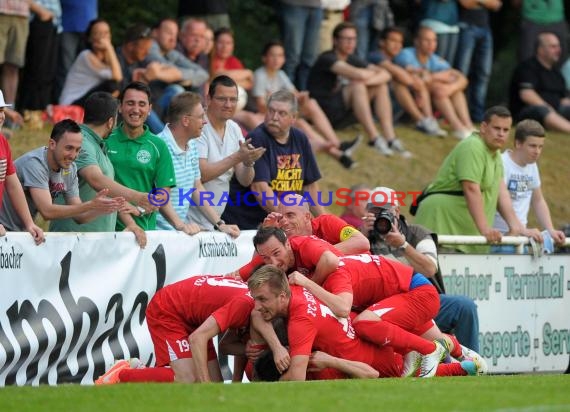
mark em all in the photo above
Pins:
pixel 538 90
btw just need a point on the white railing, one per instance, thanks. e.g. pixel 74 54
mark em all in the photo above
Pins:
pixel 519 241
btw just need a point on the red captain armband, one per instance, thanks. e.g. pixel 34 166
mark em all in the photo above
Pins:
pixel 247 270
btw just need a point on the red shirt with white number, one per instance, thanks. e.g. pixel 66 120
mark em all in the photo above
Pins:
pixel 369 278
pixel 311 326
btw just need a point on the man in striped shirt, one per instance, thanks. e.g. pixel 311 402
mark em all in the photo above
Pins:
pixel 186 120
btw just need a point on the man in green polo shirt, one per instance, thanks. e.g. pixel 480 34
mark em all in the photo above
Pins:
pixel 469 188
pixel 141 159
pixel 94 168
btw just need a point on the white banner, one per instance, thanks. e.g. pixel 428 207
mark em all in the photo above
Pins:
pixel 72 305
pixel 523 305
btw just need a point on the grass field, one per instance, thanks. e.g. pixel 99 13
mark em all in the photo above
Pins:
pixel 487 393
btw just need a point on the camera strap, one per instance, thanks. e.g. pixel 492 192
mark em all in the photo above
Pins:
pixel 423 195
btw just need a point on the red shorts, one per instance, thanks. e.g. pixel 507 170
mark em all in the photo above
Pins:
pixel 413 311
pixel 169 333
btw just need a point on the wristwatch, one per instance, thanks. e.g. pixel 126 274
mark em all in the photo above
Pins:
pixel 404 245
pixel 218 224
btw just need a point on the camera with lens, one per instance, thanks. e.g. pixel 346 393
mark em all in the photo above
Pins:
pixel 384 221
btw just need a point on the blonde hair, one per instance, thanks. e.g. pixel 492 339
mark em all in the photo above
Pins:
pixel 271 275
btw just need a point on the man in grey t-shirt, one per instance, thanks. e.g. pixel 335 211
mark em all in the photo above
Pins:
pixel 46 173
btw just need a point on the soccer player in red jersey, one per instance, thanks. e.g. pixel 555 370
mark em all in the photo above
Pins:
pixel 312 326
pixel 400 304
pixel 295 218
pixel 182 318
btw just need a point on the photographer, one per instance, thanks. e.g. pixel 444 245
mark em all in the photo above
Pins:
pixel 391 236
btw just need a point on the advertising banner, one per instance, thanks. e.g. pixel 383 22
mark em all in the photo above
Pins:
pixel 72 305
pixel 523 304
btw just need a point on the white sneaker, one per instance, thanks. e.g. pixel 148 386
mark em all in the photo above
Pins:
pixel 430 126
pixel 435 129
pixel 381 146
pixel 412 362
pixel 397 146
pixel 430 362
pixel 462 134
pixel 424 126
pixel 136 363
pixel 470 354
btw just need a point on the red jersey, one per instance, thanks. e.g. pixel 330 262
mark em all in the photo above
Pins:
pixel 311 325
pixel 307 251
pixel 196 298
pixel 7 167
pixel 369 278
pixel 331 228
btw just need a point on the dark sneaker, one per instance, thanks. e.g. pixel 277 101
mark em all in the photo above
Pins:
pixel 351 145
pixel 346 162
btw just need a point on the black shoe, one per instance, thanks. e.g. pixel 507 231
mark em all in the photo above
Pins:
pixel 346 161
pixel 349 146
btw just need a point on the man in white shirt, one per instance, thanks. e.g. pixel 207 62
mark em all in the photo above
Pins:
pixel 222 149
pixel 523 179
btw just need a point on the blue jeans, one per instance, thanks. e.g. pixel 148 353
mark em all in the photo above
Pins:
pixel 474 59
pixel 458 314
pixel 154 123
pixel 367 37
pixel 167 94
pixel 447 46
pixel 300 32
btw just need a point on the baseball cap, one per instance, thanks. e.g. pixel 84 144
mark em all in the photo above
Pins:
pixel 359 189
pixel 2 102
pixel 137 32
pixel 382 197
